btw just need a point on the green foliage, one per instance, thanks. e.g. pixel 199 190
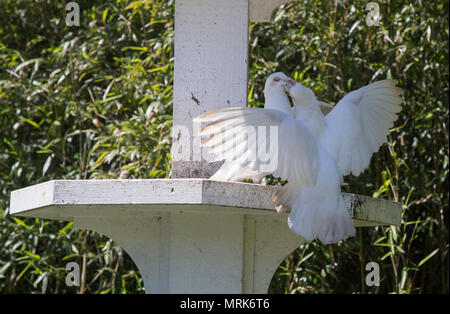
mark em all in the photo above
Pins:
pixel 84 102
pixel 95 101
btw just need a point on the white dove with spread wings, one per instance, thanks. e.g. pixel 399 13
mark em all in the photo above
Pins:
pixel 314 151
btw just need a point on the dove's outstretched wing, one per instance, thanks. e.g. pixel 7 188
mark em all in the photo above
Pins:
pixel 360 123
pixel 264 140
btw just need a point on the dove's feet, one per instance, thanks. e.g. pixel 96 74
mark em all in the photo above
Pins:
pixel 281 208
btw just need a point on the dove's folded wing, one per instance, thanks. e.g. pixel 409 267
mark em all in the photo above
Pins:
pixel 359 125
pixel 263 140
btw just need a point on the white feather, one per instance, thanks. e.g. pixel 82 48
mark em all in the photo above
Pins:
pixel 275 98
pixel 296 149
pixel 360 123
pixel 347 137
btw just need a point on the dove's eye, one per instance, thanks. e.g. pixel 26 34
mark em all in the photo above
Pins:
pixel 276 79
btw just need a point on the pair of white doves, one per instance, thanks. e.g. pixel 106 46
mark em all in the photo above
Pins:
pixel 317 145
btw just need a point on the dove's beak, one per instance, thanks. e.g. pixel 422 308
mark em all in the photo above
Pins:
pixel 288 83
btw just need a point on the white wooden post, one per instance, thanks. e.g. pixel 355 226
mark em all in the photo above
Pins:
pixel 211 65
pixel 211 56
pixel 194 235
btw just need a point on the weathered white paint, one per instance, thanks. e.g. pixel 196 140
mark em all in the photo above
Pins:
pixel 261 10
pixel 211 56
pixel 265 245
pixel 187 235
pixel 206 253
pixel 64 199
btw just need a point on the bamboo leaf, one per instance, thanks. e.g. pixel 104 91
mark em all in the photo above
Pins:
pixel 424 260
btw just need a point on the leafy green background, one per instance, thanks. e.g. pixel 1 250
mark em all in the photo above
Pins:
pixel 95 101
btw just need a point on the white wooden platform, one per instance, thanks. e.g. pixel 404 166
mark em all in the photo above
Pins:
pixel 187 235
pixel 69 199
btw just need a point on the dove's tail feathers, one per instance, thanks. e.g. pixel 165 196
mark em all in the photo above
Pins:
pixel 337 225
pixel 317 215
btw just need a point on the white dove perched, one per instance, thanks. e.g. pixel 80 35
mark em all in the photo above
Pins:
pixel 275 98
pixel 314 151
pixel 346 139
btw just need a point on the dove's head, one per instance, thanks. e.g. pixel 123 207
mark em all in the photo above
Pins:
pixel 301 95
pixel 275 83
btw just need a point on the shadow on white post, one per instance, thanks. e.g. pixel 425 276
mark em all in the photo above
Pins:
pixel 201 252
